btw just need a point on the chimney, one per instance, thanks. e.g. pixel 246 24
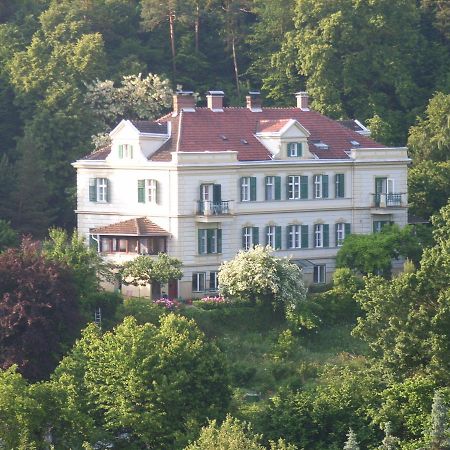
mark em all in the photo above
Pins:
pixel 254 101
pixel 183 101
pixel 215 100
pixel 302 100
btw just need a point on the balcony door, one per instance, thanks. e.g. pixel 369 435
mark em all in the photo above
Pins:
pixel 210 197
pixel 384 190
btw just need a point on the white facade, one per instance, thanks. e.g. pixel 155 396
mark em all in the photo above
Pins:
pixel 363 171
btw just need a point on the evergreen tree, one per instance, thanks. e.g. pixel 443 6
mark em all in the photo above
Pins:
pixel 389 442
pixel 352 442
pixel 439 433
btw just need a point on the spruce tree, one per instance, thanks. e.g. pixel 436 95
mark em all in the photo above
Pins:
pixel 390 442
pixel 352 443
pixel 439 433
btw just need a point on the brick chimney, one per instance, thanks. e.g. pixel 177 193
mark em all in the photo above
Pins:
pixel 302 100
pixel 183 101
pixel 254 101
pixel 214 100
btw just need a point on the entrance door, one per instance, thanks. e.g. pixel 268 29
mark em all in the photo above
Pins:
pixel 173 288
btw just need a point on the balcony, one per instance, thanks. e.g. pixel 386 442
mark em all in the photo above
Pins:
pixel 210 211
pixel 391 200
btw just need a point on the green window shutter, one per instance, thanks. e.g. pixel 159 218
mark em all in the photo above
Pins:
pixel 243 237
pixel 158 193
pixel 277 188
pixel 299 148
pixel 348 229
pixel 336 234
pixel 324 186
pixel 255 235
pixel 209 238
pixel 131 151
pixel 266 188
pixel 200 249
pixel 289 236
pixel 277 237
pixel 326 235
pixel 217 193
pixel 303 186
pixel 92 189
pixel 120 151
pixel 252 189
pixel 219 240
pixel 305 236
pixel 108 191
pixel 374 226
pixel 141 191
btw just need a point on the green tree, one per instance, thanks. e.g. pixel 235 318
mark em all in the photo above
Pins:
pixel 429 140
pixel 156 383
pixel 257 275
pixel 428 187
pixel 439 433
pixel 8 237
pixel 390 442
pixel 233 434
pixel 352 441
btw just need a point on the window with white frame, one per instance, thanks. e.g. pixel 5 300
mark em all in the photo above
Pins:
pixel 270 235
pixel 247 237
pixel 214 281
pixel 147 191
pixel 102 190
pixel 151 190
pixel 206 192
pixel 294 187
pixel 318 235
pixel 319 274
pixel 294 236
pixel 317 180
pixel 294 149
pixel 245 189
pixel 340 234
pixel 270 188
pixel 209 241
pixel 125 151
pixel 198 281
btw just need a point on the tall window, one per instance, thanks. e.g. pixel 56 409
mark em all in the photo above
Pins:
pixel 99 190
pixel 319 275
pixel 342 231
pixel 198 281
pixel 320 185
pixel 213 281
pixel 125 151
pixel 250 237
pixel 206 192
pixel 295 149
pixel 273 188
pixel 209 241
pixel 379 224
pixel 147 191
pixel 273 236
pixel 318 235
pixel 297 187
pixel 297 236
pixel 339 185
pixel 248 189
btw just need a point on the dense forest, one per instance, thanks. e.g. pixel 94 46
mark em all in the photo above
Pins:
pixel 378 61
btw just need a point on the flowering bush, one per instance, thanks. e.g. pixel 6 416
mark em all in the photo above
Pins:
pixel 167 303
pixel 211 302
pixel 215 299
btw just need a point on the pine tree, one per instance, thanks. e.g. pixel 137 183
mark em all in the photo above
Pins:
pixel 439 434
pixel 390 442
pixel 352 443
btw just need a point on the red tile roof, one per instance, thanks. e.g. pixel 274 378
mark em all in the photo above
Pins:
pixel 234 129
pixel 140 226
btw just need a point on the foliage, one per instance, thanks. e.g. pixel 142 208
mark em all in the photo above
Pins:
pixel 175 376
pixel 352 442
pixel 8 237
pixel 233 434
pixel 390 442
pixel 142 309
pixel 428 187
pixel 429 140
pixel 373 253
pixel 439 433
pixel 38 310
pixel 257 275
pixel 145 270
pixel 87 266
pixel 406 319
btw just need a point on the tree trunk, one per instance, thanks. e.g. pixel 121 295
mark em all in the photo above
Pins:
pixel 172 43
pixel 236 71
pixel 197 27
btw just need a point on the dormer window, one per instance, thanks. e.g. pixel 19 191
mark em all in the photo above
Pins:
pixel 125 151
pixel 295 149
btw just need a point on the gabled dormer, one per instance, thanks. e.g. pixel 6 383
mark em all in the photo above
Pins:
pixel 135 141
pixel 284 138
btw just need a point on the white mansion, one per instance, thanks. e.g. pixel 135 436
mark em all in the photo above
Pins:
pixel 203 183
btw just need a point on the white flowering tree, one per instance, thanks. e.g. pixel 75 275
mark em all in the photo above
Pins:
pixel 135 98
pixel 258 276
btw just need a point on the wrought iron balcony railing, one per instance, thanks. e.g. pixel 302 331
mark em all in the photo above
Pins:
pixel 388 200
pixel 210 208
